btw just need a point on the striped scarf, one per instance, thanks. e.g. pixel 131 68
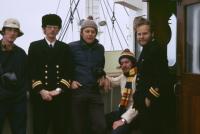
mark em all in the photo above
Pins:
pixel 127 91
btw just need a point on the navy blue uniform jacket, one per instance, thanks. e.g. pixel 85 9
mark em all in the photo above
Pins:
pixel 50 68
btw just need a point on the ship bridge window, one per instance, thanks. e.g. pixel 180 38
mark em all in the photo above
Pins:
pixel 193 39
pixel 171 47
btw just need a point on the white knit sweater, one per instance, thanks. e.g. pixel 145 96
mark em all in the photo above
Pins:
pixel 121 81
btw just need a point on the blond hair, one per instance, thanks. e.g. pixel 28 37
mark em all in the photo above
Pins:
pixel 140 21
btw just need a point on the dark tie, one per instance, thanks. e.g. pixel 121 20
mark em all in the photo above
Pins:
pixel 51 46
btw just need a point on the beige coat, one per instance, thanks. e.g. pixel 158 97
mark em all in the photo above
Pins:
pixel 121 81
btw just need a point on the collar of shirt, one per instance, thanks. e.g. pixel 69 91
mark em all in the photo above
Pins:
pixel 50 43
pixel 89 46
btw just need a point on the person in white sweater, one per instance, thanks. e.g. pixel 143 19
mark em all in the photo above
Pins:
pixel 120 121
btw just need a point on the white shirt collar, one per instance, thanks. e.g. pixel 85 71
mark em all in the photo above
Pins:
pixel 50 43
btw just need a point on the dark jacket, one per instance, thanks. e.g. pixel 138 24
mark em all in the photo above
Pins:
pixel 50 68
pixel 152 75
pixel 88 62
pixel 13 71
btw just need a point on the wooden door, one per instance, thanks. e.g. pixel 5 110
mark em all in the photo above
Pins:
pixel 188 14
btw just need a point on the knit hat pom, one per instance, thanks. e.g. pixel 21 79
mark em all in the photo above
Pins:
pixel 90 18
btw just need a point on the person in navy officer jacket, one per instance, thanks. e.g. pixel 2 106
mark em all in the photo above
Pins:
pixel 152 80
pixel 50 69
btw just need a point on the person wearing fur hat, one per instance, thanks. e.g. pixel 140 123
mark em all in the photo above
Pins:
pixel 88 61
pixel 13 78
pixel 121 120
pixel 50 69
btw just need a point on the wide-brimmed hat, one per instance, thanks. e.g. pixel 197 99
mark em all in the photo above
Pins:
pixel 12 23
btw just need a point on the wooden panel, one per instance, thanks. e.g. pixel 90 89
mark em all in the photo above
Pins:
pixel 189 117
pixel 190 85
pixel 189 97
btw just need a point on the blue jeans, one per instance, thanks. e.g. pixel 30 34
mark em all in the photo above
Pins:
pixel 16 114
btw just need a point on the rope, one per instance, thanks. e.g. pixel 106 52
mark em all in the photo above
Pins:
pixel 64 25
pixel 71 13
pixel 126 11
pixel 67 26
pixel 58 6
pixel 77 11
pixel 113 27
pixel 107 26
pixel 119 26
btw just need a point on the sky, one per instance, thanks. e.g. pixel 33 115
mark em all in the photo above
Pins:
pixel 30 12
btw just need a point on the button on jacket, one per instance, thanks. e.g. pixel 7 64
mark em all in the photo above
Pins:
pixel 50 67
pixel 152 75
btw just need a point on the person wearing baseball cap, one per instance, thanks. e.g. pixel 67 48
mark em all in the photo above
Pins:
pixel 13 78
pixel 50 70
pixel 88 60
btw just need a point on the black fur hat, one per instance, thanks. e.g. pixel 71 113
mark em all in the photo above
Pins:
pixel 51 19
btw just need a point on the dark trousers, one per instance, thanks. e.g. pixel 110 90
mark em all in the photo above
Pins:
pixel 114 116
pixel 16 114
pixel 54 113
pixel 151 120
pixel 87 112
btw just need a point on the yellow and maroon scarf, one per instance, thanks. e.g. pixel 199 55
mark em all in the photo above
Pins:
pixel 127 91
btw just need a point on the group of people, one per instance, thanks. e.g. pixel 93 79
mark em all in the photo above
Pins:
pixel 64 82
